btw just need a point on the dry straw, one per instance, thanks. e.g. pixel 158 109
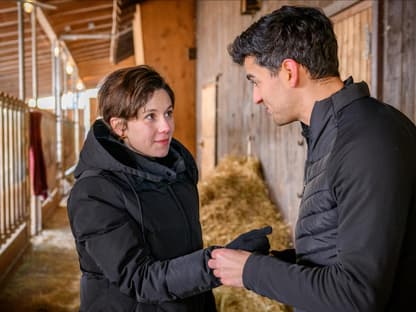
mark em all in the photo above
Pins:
pixel 234 199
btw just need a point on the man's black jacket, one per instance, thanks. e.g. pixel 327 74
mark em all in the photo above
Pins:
pixel 356 232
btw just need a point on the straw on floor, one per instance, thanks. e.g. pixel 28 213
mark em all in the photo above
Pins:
pixel 234 199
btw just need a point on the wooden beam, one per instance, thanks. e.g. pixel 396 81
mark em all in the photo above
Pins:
pixel 46 26
pixel 338 6
pixel 138 37
pixel 85 20
pixel 91 7
pixel 377 50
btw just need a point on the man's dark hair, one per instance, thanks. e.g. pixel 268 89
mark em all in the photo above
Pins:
pixel 126 90
pixel 303 34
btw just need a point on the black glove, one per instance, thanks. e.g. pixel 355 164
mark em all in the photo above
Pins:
pixel 254 240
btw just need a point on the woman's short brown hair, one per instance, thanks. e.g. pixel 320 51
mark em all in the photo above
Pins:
pixel 126 90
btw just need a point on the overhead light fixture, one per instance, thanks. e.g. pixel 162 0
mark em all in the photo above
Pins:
pixel 69 68
pixel 28 7
pixel 56 51
pixel 80 85
pixel 32 102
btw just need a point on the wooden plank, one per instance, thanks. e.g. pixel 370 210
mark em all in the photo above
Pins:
pixel 91 8
pixel 138 37
pixel 393 62
pixel 208 128
pixel 357 46
pixel 408 93
pixel 351 11
pixel 338 6
pixel 354 42
pixel 11 254
pixel 103 16
pixel 168 35
pixel 376 66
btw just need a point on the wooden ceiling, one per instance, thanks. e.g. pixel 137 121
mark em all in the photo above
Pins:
pixel 96 33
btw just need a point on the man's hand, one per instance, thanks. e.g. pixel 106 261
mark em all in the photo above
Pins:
pixel 228 265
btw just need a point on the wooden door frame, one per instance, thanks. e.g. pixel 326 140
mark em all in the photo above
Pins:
pixel 376 39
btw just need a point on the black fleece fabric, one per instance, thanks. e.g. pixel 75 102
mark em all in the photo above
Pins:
pixel 355 236
pixel 136 226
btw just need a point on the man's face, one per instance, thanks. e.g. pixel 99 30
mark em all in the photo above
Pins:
pixel 270 90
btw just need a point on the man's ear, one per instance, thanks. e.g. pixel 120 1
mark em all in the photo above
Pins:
pixel 118 125
pixel 290 69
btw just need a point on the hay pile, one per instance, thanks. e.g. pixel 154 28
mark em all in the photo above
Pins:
pixel 47 279
pixel 234 199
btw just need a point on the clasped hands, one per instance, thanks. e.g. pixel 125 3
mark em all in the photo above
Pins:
pixel 228 263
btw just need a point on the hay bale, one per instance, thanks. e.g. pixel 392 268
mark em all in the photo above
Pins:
pixel 234 199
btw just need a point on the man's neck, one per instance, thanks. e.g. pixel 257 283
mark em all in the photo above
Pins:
pixel 318 90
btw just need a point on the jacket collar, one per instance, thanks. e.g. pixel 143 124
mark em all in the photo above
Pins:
pixel 102 150
pixel 324 110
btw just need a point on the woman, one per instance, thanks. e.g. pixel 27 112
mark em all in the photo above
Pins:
pixel 134 207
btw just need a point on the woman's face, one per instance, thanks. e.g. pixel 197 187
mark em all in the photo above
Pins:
pixel 151 132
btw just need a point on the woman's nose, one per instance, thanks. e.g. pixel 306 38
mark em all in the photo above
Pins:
pixel 165 125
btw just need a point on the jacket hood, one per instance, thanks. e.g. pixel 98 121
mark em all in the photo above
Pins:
pixel 102 150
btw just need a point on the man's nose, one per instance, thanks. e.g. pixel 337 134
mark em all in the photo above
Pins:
pixel 257 98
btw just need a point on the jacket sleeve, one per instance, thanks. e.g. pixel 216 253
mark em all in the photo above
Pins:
pixel 372 184
pixel 112 239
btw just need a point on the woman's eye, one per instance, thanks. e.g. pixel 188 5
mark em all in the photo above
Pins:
pixel 169 113
pixel 149 117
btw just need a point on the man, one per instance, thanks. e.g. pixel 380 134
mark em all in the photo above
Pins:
pixel 355 237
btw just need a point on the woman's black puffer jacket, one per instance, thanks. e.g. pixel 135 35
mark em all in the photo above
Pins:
pixel 137 231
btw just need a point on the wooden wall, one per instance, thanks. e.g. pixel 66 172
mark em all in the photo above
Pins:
pixel 399 61
pixel 168 35
pixel 353 28
pixel 242 127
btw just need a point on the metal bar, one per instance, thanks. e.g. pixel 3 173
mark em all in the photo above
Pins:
pixel 58 113
pixel 22 175
pixel 26 163
pixel 73 37
pixel 7 168
pixel 114 26
pixel 21 50
pixel 19 166
pixel 2 173
pixel 75 98
pixel 34 58
pixel 13 163
pixel 102 36
pixel 39 4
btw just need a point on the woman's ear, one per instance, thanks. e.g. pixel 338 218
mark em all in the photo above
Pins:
pixel 118 125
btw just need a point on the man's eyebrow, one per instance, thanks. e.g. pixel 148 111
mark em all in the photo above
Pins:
pixel 250 77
